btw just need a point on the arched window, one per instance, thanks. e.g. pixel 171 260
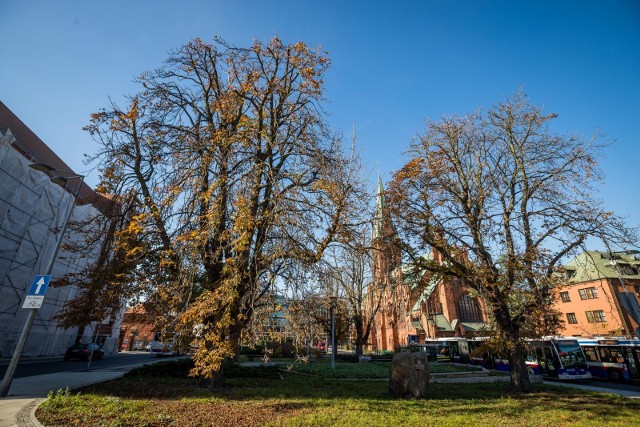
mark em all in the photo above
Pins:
pixel 468 309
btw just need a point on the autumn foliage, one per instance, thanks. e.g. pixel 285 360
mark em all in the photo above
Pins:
pixel 233 178
pixel 504 200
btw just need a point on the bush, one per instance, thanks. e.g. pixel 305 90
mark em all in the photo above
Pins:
pixel 246 349
pixel 261 371
pixel 172 368
pixel 347 358
pixel 180 369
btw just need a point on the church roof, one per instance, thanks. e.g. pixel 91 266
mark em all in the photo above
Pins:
pixel 442 324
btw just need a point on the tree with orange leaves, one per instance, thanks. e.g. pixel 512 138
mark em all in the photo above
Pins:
pixel 236 179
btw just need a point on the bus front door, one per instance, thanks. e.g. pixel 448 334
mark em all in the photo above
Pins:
pixel 547 362
pixel 632 357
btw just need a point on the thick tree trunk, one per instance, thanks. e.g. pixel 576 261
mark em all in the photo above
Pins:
pixel 520 382
pixel 359 350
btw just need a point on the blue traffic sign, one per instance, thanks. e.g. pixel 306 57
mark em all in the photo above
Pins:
pixel 39 285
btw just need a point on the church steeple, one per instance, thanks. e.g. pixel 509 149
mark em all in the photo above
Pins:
pixel 381 207
pixel 382 224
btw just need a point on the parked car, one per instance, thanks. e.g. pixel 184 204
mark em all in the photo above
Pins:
pixel 83 351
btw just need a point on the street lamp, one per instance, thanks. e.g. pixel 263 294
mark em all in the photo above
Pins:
pixel 333 331
pixel 57 179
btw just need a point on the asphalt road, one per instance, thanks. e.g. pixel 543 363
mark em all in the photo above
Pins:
pixel 30 367
pixel 631 386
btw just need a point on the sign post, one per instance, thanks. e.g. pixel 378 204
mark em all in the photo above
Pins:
pixel 40 283
pixel 33 301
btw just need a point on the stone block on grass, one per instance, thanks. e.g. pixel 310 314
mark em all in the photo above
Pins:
pixel 409 375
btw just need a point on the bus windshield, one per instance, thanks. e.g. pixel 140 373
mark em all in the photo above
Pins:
pixel 570 354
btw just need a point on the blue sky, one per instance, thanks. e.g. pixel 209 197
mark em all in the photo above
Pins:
pixel 393 65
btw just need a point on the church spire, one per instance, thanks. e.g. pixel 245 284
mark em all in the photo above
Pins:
pixel 381 212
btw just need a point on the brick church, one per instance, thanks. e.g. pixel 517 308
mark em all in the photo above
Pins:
pixel 415 305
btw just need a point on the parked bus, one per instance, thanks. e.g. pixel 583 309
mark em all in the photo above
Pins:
pixel 453 349
pixel 552 358
pixel 560 358
pixel 612 359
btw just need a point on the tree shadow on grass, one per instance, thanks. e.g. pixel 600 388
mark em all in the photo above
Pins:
pixel 284 392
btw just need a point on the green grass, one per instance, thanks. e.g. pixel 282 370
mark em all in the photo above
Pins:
pixel 372 370
pixel 297 400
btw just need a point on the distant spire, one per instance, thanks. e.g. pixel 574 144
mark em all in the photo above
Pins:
pixel 381 207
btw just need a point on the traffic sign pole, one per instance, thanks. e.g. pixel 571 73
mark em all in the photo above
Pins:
pixel 8 376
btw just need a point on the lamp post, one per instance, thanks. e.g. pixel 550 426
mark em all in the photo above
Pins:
pixel 57 179
pixel 333 331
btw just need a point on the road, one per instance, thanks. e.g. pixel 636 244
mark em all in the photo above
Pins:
pixel 35 366
pixel 632 386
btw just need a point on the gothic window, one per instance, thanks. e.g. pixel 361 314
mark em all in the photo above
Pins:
pixel 468 309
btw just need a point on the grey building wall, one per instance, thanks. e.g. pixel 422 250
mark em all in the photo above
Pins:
pixel 32 208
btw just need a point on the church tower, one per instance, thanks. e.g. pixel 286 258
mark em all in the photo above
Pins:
pixel 386 275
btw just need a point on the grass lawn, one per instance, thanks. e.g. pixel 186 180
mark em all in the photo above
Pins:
pixel 372 370
pixel 264 397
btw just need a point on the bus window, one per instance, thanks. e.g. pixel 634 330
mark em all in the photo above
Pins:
pixel 551 363
pixel 611 355
pixel 590 353
pixel 541 359
pixel 616 355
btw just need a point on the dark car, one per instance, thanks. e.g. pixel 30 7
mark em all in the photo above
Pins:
pixel 83 351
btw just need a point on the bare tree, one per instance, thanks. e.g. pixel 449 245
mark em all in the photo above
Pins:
pixel 504 201
pixel 349 268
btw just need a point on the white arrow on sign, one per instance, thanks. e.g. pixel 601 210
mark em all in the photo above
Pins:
pixel 40 283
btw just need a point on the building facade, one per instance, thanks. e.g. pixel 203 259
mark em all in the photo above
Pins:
pixel 32 210
pixel 415 305
pixel 602 298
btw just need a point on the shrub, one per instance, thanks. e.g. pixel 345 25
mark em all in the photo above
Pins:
pixel 172 368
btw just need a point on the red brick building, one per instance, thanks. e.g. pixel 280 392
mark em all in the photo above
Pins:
pixel 137 329
pixel 416 304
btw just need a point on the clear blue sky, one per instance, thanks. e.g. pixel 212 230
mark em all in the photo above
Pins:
pixel 393 65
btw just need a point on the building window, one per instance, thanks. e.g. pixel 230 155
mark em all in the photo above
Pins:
pixel 565 296
pixel 588 293
pixel 571 318
pixel 468 309
pixel 627 270
pixel 595 316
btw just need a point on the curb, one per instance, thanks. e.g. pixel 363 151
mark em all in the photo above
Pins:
pixel 26 416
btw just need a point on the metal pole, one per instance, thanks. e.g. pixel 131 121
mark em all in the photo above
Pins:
pixel 333 338
pixel 11 369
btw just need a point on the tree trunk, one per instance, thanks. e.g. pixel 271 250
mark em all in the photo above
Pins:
pixel 217 380
pixel 359 348
pixel 520 382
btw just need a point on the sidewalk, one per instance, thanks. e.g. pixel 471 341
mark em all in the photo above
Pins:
pixel 632 394
pixel 26 392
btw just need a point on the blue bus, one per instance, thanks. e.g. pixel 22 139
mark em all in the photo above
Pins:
pixel 560 358
pixel 612 359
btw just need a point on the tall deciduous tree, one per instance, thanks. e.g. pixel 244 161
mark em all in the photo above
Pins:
pixel 237 175
pixel 348 267
pixel 504 200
